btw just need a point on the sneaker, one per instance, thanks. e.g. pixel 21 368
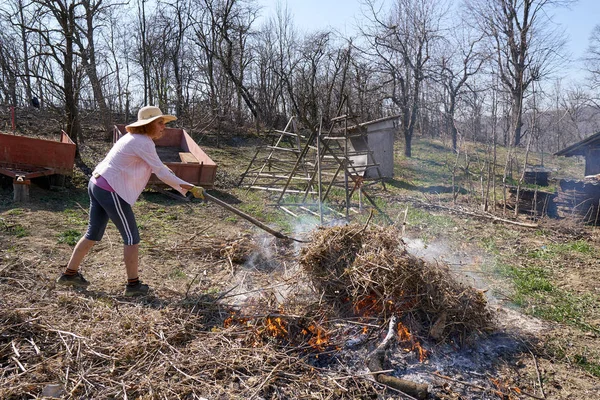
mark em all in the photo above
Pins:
pixel 140 289
pixel 76 280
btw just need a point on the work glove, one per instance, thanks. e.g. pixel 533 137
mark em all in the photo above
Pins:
pixel 197 191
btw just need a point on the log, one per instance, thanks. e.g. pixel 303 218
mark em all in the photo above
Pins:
pixel 375 362
pixel 21 190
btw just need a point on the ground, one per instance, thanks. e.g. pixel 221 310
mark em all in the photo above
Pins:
pixel 220 284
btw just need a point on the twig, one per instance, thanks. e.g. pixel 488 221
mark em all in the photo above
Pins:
pixel 404 221
pixel 267 379
pixel 19 364
pixel 488 216
pixel 465 383
pixel 65 332
pixel 375 365
pixel 337 378
pixel 537 370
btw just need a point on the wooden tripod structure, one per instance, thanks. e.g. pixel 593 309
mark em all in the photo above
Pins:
pixel 315 172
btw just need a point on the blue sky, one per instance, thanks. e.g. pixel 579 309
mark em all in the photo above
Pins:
pixel 310 15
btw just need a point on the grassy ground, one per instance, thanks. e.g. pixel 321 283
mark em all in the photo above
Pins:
pixel 192 252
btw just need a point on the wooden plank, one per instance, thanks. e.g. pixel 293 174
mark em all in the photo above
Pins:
pixel 278 190
pixel 284 149
pixel 188 158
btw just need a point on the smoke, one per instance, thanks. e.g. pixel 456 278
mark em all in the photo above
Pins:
pixel 466 263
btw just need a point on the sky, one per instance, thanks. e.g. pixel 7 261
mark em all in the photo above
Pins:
pixel 311 15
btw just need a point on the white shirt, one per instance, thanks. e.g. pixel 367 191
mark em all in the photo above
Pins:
pixel 129 164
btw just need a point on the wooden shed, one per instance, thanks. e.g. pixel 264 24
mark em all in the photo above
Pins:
pixel 379 141
pixel 588 148
pixel 581 197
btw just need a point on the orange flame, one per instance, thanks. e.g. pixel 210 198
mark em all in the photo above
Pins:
pixel 234 319
pixel 320 337
pixel 405 336
pixel 500 386
pixel 275 327
pixel 368 306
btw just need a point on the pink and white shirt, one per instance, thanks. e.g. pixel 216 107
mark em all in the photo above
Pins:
pixel 129 164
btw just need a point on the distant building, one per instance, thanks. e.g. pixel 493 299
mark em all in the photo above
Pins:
pixel 581 197
pixel 588 148
pixel 380 141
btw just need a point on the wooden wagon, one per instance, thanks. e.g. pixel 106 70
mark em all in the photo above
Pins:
pixel 178 151
pixel 24 158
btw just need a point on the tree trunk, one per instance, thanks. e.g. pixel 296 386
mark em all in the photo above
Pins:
pixel 407 143
pixel 71 110
pixel 89 63
pixel 25 53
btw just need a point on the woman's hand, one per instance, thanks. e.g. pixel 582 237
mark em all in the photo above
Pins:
pixel 197 191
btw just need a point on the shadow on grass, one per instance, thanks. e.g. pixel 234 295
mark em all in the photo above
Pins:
pixel 224 196
pixel 424 189
pixel 209 307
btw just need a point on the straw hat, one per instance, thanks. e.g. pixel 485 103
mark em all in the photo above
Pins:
pixel 148 114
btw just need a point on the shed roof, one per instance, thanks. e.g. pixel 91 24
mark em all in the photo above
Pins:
pixel 578 149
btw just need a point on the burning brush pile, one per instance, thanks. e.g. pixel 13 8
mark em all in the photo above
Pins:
pixel 367 270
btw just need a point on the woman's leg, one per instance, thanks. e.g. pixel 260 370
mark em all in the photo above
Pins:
pixel 96 225
pixel 79 252
pixel 130 254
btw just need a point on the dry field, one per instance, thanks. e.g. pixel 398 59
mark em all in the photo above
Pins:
pixel 467 307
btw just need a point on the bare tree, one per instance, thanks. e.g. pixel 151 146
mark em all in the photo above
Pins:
pixel 460 61
pixel 85 38
pixel 178 18
pixel 8 70
pixel 230 23
pixel 526 44
pixel 592 63
pixel 56 29
pixel 402 40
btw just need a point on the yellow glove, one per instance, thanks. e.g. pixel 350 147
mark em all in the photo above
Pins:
pixel 197 191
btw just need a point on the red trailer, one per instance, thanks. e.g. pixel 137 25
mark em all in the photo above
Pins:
pixel 178 151
pixel 24 158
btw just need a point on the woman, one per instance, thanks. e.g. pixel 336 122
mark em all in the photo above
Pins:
pixel 115 185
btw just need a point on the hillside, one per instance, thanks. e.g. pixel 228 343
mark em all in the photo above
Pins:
pixel 234 315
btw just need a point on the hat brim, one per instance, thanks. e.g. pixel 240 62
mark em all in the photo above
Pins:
pixel 142 122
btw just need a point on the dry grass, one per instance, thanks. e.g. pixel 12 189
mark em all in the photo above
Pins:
pixel 98 346
pixel 370 269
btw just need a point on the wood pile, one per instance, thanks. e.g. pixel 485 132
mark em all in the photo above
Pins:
pixel 533 201
pixel 579 199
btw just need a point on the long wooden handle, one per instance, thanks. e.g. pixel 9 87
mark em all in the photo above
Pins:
pixel 249 218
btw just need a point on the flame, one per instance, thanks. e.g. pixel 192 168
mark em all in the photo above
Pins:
pixel 275 327
pixel 405 336
pixel 368 306
pixel 234 318
pixel 320 337
pixel 403 333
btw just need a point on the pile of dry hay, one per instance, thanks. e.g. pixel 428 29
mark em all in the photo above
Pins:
pixel 370 269
pixel 93 345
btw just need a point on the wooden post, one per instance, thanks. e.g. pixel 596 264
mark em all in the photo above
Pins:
pixel 21 189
